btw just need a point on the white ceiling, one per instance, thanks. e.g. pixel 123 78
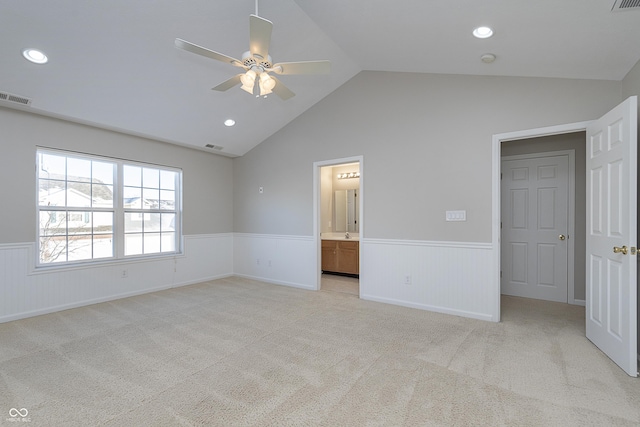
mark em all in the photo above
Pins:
pixel 113 63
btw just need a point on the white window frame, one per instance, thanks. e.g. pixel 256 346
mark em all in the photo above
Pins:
pixel 118 209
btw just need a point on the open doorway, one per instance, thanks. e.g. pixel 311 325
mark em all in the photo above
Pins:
pixel 338 224
pixel 543 217
pixel 610 276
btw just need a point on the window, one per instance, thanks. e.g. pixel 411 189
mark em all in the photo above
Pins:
pixel 149 200
pixel 92 208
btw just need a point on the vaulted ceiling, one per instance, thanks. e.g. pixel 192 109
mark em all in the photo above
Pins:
pixel 113 64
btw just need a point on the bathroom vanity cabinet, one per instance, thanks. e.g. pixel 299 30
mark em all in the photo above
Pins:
pixel 341 256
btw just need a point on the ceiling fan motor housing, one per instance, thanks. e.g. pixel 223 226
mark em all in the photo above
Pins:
pixel 250 60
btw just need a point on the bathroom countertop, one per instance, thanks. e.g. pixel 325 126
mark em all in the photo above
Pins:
pixel 339 236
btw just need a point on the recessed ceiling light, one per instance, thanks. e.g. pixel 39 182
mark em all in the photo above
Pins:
pixel 229 122
pixel 35 56
pixel 483 32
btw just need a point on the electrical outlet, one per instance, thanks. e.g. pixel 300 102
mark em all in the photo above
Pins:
pixel 269 263
pixel 258 261
pixel 124 274
pixel 407 279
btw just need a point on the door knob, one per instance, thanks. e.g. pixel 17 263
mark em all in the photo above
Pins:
pixel 622 250
pixel 561 237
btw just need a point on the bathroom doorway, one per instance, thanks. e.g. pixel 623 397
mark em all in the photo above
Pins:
pixel 338 224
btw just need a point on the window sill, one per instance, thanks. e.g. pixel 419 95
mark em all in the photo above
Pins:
pixel 55 268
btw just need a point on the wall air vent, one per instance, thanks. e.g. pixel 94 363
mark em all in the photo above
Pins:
pixel 625 5
pixel 4 96
pixel 215 147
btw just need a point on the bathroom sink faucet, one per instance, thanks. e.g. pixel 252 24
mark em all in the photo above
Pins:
pixel 346 235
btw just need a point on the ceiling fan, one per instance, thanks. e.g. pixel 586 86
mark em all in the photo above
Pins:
pixel 256 62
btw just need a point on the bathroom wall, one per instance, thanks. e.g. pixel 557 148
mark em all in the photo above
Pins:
pixel 326 199
pixel 329 185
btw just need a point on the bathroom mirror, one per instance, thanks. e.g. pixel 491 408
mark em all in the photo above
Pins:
pixel 346 211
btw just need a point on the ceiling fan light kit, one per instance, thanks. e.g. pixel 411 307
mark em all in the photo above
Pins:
pixel 257 62
pixel 248 81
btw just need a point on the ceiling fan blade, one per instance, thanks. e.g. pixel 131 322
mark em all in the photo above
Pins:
pixel 259 36
pixel 228 84
pixel 194 48
pixel 281 90
pixel 303 67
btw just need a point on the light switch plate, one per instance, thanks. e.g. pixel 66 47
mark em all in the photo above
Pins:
pixel 456 215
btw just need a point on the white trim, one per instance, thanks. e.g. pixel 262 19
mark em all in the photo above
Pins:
pixel 207 236
pixel 272 236
pixel 19 245
pixel 570 212
pixel 495 190
pixel 430 243
pixel 51 268
pixel 316 207
pixel 32 313
pixel 275 282
pixel 433 308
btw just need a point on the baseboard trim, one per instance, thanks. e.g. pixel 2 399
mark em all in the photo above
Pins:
pixel 443 310
pixel 276 282
pixel 580 302
pixel 48 310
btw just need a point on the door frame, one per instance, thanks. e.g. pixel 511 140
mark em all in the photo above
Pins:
pixel 496 150
pixel 571 184
pixel 317 241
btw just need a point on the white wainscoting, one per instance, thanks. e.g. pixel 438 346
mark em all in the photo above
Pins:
pixel 25 291
pixel 446 277
pixel 452 278
pixel 278 259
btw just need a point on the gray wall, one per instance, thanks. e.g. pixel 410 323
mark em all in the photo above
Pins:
pixel 207 178
pixel 571 141
pixel 426 141
pixel 631 82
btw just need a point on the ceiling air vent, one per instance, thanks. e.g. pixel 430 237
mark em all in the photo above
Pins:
pixel 624 5
pixel 215 147
pixel 4 96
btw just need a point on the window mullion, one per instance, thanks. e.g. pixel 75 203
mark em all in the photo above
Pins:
pixel 118 226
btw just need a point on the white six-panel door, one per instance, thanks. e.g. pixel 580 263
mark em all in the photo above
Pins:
pixel 534 212
pixel 611 304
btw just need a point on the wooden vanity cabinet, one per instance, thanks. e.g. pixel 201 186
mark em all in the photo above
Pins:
pixel 340 256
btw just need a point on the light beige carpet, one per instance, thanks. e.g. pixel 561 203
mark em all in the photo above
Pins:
pixel 336 283
pixel 236 352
